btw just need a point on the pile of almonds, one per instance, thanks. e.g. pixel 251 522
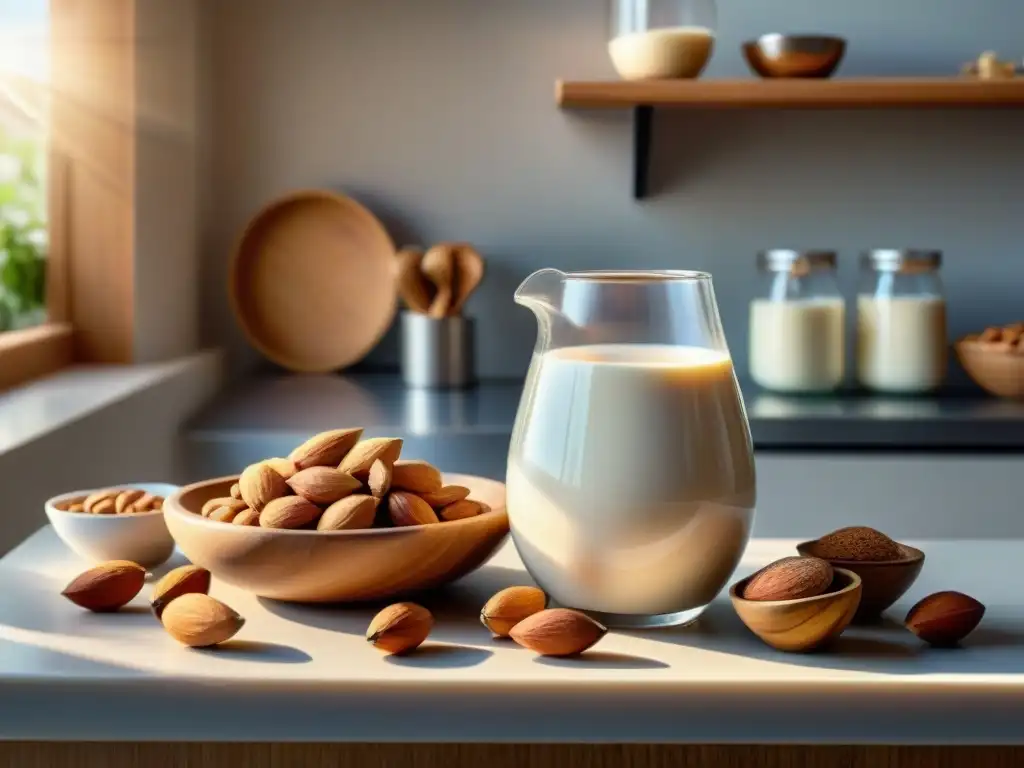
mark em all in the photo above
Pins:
pixel 114 501
pixel 1007 339
pixel 516 612
pixel 336 482
pixel 179 601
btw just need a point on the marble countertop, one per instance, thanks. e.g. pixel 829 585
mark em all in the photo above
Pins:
pixel 300 673
pixel 297 406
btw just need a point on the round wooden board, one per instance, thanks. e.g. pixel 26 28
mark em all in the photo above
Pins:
pixel 313 281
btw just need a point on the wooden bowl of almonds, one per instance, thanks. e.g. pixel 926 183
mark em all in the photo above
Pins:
pixel 339 520
pixel 124 522
pixel 995 360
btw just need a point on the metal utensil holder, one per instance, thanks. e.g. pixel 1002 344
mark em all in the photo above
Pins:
pixel 437 353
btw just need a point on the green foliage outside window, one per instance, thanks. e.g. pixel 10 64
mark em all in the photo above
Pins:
pixel 23 232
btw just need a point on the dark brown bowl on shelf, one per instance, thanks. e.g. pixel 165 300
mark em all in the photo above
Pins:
pixel 883 581
pixel 810 56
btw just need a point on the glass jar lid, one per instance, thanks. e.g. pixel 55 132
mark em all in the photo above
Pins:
pixel 795 262
pixel 902 260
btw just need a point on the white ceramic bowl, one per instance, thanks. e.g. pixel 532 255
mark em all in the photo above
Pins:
pixel 142 537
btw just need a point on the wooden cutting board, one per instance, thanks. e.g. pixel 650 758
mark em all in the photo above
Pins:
pixel 313 281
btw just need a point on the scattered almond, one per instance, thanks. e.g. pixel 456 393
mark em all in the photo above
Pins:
pixel 510 606
pixel 222 501
pixel 400 628
pixel 945 618
pixel 261 484
pixel 361 458
pixel 449 494
pixel 379 479
pixel 323 485
pixel 199 621
pixel 181 581
pixel 557 632
pixel 460 510
pixel 856 543
pixel 125 499
pixel 289 512
pixel 415 476
pixel 236 492
pixel 790 578
pixel 326 449
pixel 107 586
pixel 409 509
pixel 247 516
pixel 284 467
pixel 351 513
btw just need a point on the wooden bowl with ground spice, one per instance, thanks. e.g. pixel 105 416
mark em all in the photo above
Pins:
pixel 886 567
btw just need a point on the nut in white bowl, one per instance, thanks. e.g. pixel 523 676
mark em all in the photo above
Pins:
pixel 141 537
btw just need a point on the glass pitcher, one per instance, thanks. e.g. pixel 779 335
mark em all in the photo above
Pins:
pixel 630 483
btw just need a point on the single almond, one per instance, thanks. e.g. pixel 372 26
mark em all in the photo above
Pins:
pixel 221 501
pixel 790 578
pixel 107 586
pixel 510 606
pixel 224 514
pixel 247 516
pixel 361 458
pixel 95 498
pixel 944 619
pixel 557 632
pixel 409 509
pixel 460 510
pixel 400 628
pixel 181 581
pixel 449 494
pixel 236 492
pixel 379 479
pixel 199 621
pixel 284 467
pixel 146 502
pixel 323 485
pixel 415 476
pixel 261 484
pixel 326 449
pixel 79 507
pixel 289 512
pixel 351 513
pixel 125 499
pixel 104 507
pixel 158 502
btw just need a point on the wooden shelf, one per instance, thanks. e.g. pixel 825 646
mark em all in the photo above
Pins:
pixel 878 93
pixel 875 93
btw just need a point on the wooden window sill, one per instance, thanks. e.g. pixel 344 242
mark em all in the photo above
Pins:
pixel 34 352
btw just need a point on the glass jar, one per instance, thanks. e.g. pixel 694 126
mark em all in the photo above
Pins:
pixel 661 39
pixel 797 323
pixel 901 321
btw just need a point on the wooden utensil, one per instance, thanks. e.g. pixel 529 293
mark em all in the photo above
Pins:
pixel 313 281
pixel 884 581
pixel 469 271
pixel 337 566
pixel 413 287
pixel 804 624
pixel 439 268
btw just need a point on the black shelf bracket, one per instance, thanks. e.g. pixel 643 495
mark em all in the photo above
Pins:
pixel 643 117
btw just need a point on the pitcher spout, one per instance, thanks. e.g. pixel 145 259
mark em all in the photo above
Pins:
pixel 541 293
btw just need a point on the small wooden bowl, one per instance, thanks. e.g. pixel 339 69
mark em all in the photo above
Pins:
pixel 800 625
pixel 337 566
pixel 998 372
pixel 885 582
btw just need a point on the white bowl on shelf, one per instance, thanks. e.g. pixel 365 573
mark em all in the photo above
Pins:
pixel 141 537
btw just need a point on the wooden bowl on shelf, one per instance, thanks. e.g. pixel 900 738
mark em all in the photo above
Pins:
pixel 804 624
pixel 337 566
pixel 999 372
pixel 884 581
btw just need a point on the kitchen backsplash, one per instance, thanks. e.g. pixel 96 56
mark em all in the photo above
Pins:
pixel 441 117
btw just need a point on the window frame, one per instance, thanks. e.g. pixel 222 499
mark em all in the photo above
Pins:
pixel 90 196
